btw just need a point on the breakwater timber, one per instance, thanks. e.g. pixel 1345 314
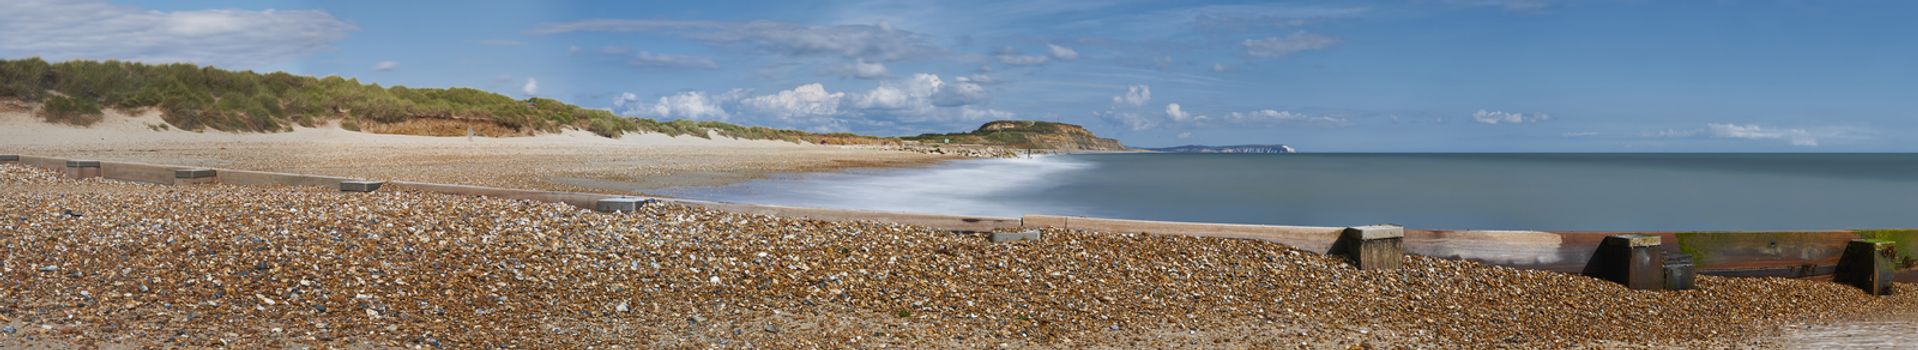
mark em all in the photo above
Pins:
pixel 114 262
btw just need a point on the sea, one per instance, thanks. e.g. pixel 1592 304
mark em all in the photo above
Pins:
pixel 1523 191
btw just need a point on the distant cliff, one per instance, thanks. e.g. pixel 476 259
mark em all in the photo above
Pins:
pixel 1227 149
pixel 1027 134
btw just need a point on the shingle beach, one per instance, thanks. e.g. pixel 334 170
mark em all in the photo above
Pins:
pixel 101 263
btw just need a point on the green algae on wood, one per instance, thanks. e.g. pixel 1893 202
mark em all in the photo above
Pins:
pixel 1712 247
pixel 1905 241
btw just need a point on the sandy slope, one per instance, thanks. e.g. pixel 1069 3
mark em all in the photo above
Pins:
pixel 574 160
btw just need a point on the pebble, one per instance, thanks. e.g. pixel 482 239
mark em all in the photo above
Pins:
pixel 390 267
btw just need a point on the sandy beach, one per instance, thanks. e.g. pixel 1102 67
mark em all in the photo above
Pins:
pixel 113 264
pixel 569 161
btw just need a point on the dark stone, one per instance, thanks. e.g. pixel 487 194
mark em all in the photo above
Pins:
pixel 1377 247
pixel 1633 260
pixel 1679 271
pixel 1867 264
pixel 83 164
pixel 9 157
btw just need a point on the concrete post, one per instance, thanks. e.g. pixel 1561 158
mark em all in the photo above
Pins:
pixel 1679 272
pixel 613 205
pixel 1376 247
pixel 360 186
pixel 193 176
pixel 83 169
pixel 1633 260
pixel 1867 264
pixel 1027 235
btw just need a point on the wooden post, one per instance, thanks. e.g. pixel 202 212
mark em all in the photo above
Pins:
pixel 1867 264
pixel 1633 260
pixel 1377 247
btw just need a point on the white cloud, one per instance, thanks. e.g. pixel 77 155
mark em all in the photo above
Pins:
pixel 980 79
pixel 1260 15
pixel 1135 95
pixel 1185 135
pixel 862 70
pixel 902 105
pixel 1808 137
pixel 810 100
pixel 970 113
pixel 1063 53
pixel 531 87
pixel 1497 117
pixel 1021 60
pixel 922 92
pixel 645 59
pixel 1269 116
pixel 958 94
pixel 96 29
pixel 1582 134
pixel 1219 68
pixel 1274 47
pixel 686 104
pixel 1177 115
pixel 1172 110
pixel 872 42
pixel 1797 137
pixel 384 66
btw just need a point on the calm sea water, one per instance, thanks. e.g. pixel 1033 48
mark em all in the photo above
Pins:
pixel 1608 192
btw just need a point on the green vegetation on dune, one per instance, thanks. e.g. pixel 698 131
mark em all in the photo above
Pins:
pixel 1028 134
pixel 197 98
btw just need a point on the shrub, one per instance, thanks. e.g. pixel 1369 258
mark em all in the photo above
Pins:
pixel 70 110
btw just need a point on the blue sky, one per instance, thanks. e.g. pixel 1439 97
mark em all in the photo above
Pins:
pixel 1414 75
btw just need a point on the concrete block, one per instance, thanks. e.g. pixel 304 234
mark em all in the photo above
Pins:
pixel 1376 247
pixel 193 173
pixel 621 204
pixel 1634 260
pixel 1867 264
pixel 360 186
pixel 1043 221
pixel 9 157
pixel 83 169
pixel 193 176
pixel 1679 271
pixel 1027 235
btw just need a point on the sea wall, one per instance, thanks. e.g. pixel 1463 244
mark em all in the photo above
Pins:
pixel 1811 254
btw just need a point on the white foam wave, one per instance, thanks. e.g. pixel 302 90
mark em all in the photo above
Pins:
pixel 966 187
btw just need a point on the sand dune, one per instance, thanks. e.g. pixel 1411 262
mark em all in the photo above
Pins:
pixel 572 160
